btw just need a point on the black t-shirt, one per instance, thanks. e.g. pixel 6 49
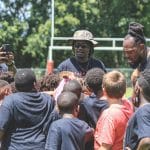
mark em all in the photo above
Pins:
pixel 138 127
pixel 67 134
pixel 91 108
pixel 145 64
pixel 72 65
pixel 22 117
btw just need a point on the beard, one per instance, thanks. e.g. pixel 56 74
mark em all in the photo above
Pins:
pixel 135 64
pixel 81 58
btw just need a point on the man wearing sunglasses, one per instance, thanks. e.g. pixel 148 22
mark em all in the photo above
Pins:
pixel 83 49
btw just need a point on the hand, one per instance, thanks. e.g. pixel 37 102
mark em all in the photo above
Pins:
pixel 7 58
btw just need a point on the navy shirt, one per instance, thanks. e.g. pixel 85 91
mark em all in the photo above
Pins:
pixel 91 108
pixel 67 134
pixel 22 117
pixel 138 127
pixel 72 65
pixel 145 64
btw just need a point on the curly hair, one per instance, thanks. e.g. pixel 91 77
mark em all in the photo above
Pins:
pixel 49 82
pixel 93 79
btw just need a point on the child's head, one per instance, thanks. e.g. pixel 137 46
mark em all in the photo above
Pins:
pixel 67 102
pixel 73 86
pixel 114 84
pixel 93 79
pixel 49 82
pixel 25 80
pixel 5 89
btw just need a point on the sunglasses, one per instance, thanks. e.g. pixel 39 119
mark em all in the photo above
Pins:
pixel 81 45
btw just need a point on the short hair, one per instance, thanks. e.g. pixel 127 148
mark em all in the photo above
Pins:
pixel 67 101
pixel 24 80
pixel 93 79
pixel 114 83
pixel 73 86
pixel 136 31
pixel 144 83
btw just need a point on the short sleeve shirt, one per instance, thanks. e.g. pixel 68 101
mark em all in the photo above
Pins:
pixel 111 125
pixel 138 127
pixel 72 65
pixel 91 108
pixel 67 134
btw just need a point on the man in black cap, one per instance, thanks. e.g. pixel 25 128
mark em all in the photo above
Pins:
pixel 83 49
pixel 23 115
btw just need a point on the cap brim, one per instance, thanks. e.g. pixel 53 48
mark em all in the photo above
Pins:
pixel 78 39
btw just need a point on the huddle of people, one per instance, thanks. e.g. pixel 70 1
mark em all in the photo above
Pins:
pixel 81 107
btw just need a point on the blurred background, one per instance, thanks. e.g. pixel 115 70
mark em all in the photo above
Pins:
pixel 26 25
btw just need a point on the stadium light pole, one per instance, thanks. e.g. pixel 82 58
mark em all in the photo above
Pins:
pixel 50 63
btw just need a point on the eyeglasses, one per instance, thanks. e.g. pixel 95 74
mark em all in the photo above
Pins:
pixel 81 45
pixel 130 51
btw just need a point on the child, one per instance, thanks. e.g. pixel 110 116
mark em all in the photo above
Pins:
pixel 69 132
pixel 111 125
pixel 73 86
pixel 138 129
pixel 92 106
pixel 49 83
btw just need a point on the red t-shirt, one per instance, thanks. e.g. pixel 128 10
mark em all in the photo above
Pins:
pixel 111 125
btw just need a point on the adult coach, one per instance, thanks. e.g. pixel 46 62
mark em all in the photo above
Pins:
pixel 83 49
pixel 135 49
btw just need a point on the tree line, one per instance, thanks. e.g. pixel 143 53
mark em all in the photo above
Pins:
pixel 26 25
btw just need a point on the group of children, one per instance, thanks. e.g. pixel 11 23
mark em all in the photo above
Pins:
pixel 79 121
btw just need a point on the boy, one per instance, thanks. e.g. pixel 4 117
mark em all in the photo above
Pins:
pixel 68 133
pixel 138 129
pixel 23 114
pixel 92 106
pixel 111 125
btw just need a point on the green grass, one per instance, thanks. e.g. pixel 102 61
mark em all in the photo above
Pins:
pixel 128 92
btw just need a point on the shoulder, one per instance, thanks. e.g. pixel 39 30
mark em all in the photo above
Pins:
pixel 143 111
pixel 66 61
pixel 9 100
pixel 97 63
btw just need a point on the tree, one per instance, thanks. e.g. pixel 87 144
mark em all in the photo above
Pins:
pixel 26 25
